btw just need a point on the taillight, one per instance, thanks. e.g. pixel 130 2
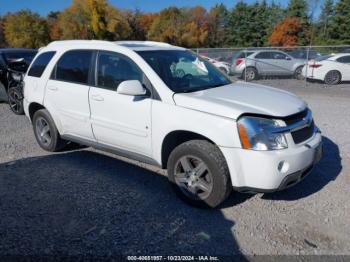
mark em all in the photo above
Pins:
pixel 239 61
pixel 315 65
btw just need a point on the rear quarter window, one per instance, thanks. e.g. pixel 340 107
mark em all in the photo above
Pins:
pixel 40 63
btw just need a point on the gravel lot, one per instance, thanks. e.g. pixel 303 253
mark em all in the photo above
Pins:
pixel 87 202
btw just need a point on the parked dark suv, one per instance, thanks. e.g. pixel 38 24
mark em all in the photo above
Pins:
pixel 13 64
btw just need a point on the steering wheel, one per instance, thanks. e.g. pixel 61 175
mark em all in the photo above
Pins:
pixel 188 77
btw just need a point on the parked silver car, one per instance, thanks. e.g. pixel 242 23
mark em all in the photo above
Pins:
pixel 254 63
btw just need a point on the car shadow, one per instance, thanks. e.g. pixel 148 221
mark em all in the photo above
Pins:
pixel 86 203
pixel 324 172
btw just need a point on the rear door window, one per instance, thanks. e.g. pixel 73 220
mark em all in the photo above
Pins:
pixel 264 55
pixel 40 63
pixel 278 55
pixel 74 67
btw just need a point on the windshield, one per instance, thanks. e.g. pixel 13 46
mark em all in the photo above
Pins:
pixel 322 58
pixel 183 71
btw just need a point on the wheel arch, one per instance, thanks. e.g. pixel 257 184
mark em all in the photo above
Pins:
pixel 175 138
pixel 34 107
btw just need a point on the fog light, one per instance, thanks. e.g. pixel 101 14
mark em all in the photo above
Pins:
pixel 283 166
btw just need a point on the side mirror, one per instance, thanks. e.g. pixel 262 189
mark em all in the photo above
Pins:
pixel 131 88
pixel 288 58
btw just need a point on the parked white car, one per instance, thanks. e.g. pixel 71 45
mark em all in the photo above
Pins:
pixel 212 135
pixel 331 69
pixel 223 66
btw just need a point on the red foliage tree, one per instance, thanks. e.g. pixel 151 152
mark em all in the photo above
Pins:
pixel 286 33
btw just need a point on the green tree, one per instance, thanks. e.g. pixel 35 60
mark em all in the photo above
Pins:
pixel 217 26
pixel 25 29
pixel 322 26
pixel 339 23
pixel 299 9
pixel 239 25
pixel 249 25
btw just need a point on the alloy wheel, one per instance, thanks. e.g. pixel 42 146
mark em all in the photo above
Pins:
pixel 15 101
pixel 43 131
pixel 193 177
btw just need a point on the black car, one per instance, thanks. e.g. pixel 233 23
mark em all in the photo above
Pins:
pixel 14 62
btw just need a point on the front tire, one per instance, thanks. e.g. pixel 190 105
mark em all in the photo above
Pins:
pixel 333 77
pixel 199 174
pixel 15 100
pixel 46 133
pixel 298 73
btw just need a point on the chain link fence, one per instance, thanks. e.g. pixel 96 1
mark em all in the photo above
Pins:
pixel 319 66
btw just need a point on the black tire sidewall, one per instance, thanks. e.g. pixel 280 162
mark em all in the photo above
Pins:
pixel 16 90
pixel 250 69
pixel 333 83
pixel 297 75
pixel 221 180
pixel 55 139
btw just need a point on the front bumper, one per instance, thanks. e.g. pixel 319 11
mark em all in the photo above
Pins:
pixel 269 171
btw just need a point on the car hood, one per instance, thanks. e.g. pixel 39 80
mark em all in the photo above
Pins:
pixel 238 98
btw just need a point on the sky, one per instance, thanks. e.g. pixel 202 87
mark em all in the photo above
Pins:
pixel 45 6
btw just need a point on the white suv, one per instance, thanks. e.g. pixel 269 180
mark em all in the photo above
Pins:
pixel 164 105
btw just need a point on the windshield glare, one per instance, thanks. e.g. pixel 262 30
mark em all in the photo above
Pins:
pixel 183 71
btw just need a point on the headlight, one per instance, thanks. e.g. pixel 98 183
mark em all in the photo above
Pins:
pixel 257 133
pixel 16 76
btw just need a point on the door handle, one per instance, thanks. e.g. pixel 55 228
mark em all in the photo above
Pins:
pixel 97 98
pixel 52 88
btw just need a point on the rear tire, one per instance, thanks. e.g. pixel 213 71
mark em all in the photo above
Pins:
pixel 46 133
pixel 198 173
pixel 250 74
pixel 333 77
pixel 3 93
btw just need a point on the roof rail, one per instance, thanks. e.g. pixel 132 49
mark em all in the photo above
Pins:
pixel 144 43
pixel 77 42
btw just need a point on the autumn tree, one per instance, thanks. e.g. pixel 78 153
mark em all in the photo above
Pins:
pixel 25 29
pixel 195 30
pixel 53 26
pixel 118 27
pixel 146 20
pixel 75 21
pixel 2 36
pixel 97 10
pixel 168 26
pixel 93 19
pixel 286 33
